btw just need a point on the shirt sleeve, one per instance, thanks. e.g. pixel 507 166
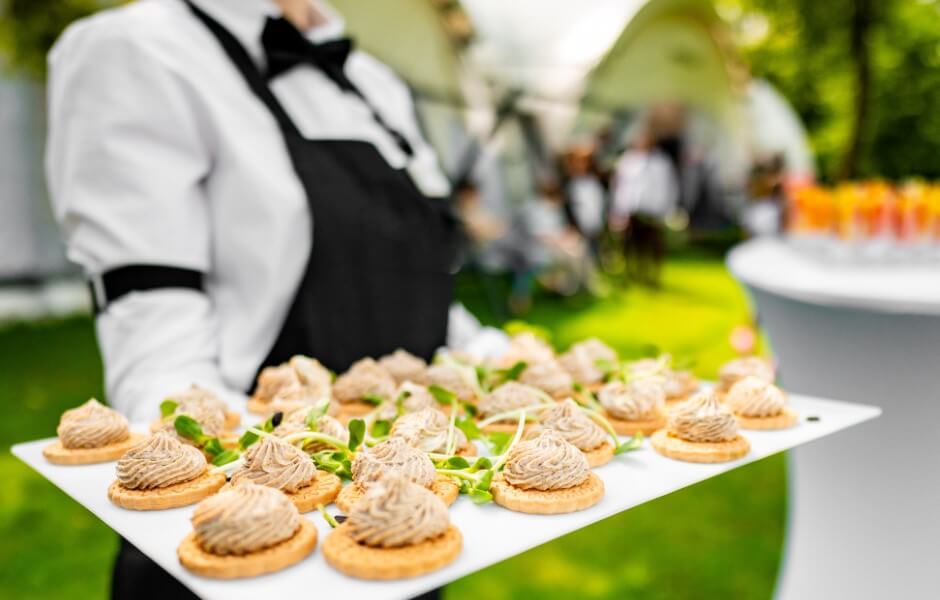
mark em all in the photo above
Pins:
pixel 126 157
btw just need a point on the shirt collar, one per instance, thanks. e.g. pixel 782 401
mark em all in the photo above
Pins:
pixel 245 19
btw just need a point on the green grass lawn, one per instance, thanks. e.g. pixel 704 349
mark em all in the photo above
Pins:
pixel 721 538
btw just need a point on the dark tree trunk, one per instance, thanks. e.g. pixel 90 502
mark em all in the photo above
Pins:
pixel 862 23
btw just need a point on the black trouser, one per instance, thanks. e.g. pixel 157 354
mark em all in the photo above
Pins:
pixel 644 249
pixel 136 577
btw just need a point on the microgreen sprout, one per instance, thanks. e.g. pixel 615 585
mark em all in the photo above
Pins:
pixel 189 428
pixel 400 402
pixel 468 373
pixel 619 447
pixel 628 372
pixel 336 460
pixel 327 516
pixel 512 414
pixel 446 397
pixel 373 399
pixel 586 397
pixel 497 377
pixel 475 479
pixel 379 429
pixel 253 434
pixel 316 411
pixel 498 441
pixel 168 407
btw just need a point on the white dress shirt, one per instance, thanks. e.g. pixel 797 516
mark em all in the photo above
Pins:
pixel 158 153
pixel 645 183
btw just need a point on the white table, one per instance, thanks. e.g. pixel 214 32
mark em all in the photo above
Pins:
pixel 863 506
pixel 491 533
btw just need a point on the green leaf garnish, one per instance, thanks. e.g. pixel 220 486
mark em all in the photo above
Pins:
pixel 327 516
pixel 513 372
pixel 400 402
pixel 213 446
pixel 168 407
pixel 381 428
pixel 482 463
pixel 632 444
pixel 373 399
pixel 268 426
pixel 480 496
pixel 469 408
pixel 498 441
pixel 457 462
pixel 469 428
pixel 188 428
pixel 357 433
pixel 443 396
pixel 483 377
pixel 315 412
pixel 247 439
pixel 485 481
pixel 224 458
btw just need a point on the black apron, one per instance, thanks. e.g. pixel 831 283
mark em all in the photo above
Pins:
pixel 379 275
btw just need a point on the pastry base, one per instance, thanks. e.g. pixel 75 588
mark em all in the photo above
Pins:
pixel 232 421
pixel 352 410
pixel 786 419
pixel 676 401
pixel 443 487
pixel 267 560
pixel 323 490
pixel 507 428
pixel 469 450
pixel 671 446
pixel 58 454
pixel 258 407
pixel 645 426
pixel 550 502
pixel 365 562
pixel 601 455
pixel 174 496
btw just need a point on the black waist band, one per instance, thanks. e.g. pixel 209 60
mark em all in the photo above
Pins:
pixel 115 283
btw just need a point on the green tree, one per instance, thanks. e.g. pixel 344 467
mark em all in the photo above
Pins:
pixel 28 28
pixel 862 75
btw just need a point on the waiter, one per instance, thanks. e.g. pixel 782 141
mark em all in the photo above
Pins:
pixel 241 185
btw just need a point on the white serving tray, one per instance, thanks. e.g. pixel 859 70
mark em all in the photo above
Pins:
pixel 491 533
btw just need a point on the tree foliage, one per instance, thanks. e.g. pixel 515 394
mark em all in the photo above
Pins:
pixel 28 28
pixel 804 47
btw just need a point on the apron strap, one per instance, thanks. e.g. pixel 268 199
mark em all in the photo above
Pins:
pixel 246 66
pixel 258 84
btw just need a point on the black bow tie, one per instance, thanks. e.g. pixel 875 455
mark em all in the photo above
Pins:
pixel 285 47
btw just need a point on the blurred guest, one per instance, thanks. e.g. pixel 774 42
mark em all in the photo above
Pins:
pixel 764 213
pixel 556 251
pixel 644 192
pixel 585 194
